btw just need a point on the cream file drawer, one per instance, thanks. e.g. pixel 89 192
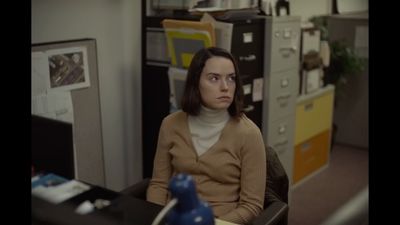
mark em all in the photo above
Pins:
pixel 283 91
pixel 280 136
pixel 284 43
pixel 314 114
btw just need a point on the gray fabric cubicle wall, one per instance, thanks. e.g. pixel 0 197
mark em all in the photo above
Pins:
pixel 87 129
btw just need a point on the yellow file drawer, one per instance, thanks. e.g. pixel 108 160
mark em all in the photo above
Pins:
pixel 313 114
pixel 311 155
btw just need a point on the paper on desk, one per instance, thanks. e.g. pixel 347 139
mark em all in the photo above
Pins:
pixel 223 32
pixel 54 105
pixel 61 192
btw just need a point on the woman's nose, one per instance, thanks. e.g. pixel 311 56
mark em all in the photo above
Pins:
pixel 224 85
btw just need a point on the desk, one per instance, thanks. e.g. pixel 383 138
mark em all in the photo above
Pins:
pixel 123 210
pixel 129 210
pixel 132 211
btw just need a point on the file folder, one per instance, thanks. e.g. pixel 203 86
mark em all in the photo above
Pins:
pixel 185 38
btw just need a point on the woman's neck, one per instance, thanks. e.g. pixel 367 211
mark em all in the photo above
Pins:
pixel 208 115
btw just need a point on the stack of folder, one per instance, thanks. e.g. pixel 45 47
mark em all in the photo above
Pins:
pixel 185 38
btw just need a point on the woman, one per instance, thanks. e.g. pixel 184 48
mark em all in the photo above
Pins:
pixel 212 140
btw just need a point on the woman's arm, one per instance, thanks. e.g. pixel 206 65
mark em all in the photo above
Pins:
pixel 157 192
pixel 253 177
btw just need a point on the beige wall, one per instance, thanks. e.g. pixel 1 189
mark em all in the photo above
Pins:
pixel 308 8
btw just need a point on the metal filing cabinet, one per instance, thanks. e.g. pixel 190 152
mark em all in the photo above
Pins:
pixel 281 85
pixel 247 48
pixel 313 125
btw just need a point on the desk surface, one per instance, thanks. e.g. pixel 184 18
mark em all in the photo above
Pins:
pixel 123 210
pixel 132 211
pixel 128 210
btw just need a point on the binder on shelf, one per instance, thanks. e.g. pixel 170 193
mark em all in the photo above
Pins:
pixel 185 38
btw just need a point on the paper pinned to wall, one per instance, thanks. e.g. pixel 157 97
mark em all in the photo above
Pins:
pixel 54 105
pixel 40 73
pixel 68 68
pixel 313 80
pixel 258 84
pixel 59 70
pixel 311 41
pixel 246 89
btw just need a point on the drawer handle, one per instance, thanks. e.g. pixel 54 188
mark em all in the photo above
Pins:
pixel 249 108
pixel 282 129
pixel 310 160
pixel 248 58
pixel 284 96
pixel 309 106
pixel 305 147
pixel 284 83
pixel 282 142
pixel 289 48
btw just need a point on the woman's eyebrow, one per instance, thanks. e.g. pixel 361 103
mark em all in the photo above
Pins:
pixel 217 74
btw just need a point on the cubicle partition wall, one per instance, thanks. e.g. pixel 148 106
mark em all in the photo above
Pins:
pixel 86 116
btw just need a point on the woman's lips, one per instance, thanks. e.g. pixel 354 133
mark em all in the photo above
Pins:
pixel 224 98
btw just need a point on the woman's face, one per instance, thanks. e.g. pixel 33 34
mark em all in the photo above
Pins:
pixel 217 83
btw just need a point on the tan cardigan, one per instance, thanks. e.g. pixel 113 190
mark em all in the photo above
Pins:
pixel 230 176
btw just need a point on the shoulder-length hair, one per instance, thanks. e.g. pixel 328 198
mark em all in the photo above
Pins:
pixel 191 99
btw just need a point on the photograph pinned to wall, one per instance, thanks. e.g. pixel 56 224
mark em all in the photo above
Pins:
pixel 68 68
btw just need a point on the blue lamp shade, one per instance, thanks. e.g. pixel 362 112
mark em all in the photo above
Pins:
pixel 189 210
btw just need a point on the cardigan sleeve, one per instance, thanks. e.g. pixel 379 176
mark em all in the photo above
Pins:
pixel 252 180
pixel 157 192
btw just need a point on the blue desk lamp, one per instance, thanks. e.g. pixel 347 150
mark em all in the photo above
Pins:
pixel 185 208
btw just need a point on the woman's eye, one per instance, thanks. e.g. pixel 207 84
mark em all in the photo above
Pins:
pixel 214 78
pixel 232 78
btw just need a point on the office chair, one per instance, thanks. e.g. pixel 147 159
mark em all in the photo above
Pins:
pixel 276 207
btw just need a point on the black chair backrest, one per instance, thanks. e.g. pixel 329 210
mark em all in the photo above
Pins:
pixel 277 183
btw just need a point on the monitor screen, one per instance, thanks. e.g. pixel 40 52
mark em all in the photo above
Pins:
pixel 52 146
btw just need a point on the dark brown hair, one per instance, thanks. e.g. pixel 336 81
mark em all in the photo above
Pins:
pixel 191 99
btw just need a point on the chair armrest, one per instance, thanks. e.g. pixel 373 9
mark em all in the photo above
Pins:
pixel 275 213
pixel 137 190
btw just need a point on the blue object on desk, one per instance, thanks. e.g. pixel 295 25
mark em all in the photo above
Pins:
pixel 48 180
pixel 190 210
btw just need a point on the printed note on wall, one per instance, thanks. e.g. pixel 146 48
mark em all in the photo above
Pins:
pixel 258 89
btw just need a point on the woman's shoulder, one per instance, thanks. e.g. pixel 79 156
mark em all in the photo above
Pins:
pixel 247 125
pixel 174 118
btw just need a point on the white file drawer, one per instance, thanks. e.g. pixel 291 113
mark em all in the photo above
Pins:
pixel 282 94
pixel 281 134
pixel 283 44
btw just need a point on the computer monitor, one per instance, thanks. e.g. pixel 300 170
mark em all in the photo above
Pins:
pixel 52 146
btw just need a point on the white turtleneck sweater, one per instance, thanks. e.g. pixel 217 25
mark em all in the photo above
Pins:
pixel 206 128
